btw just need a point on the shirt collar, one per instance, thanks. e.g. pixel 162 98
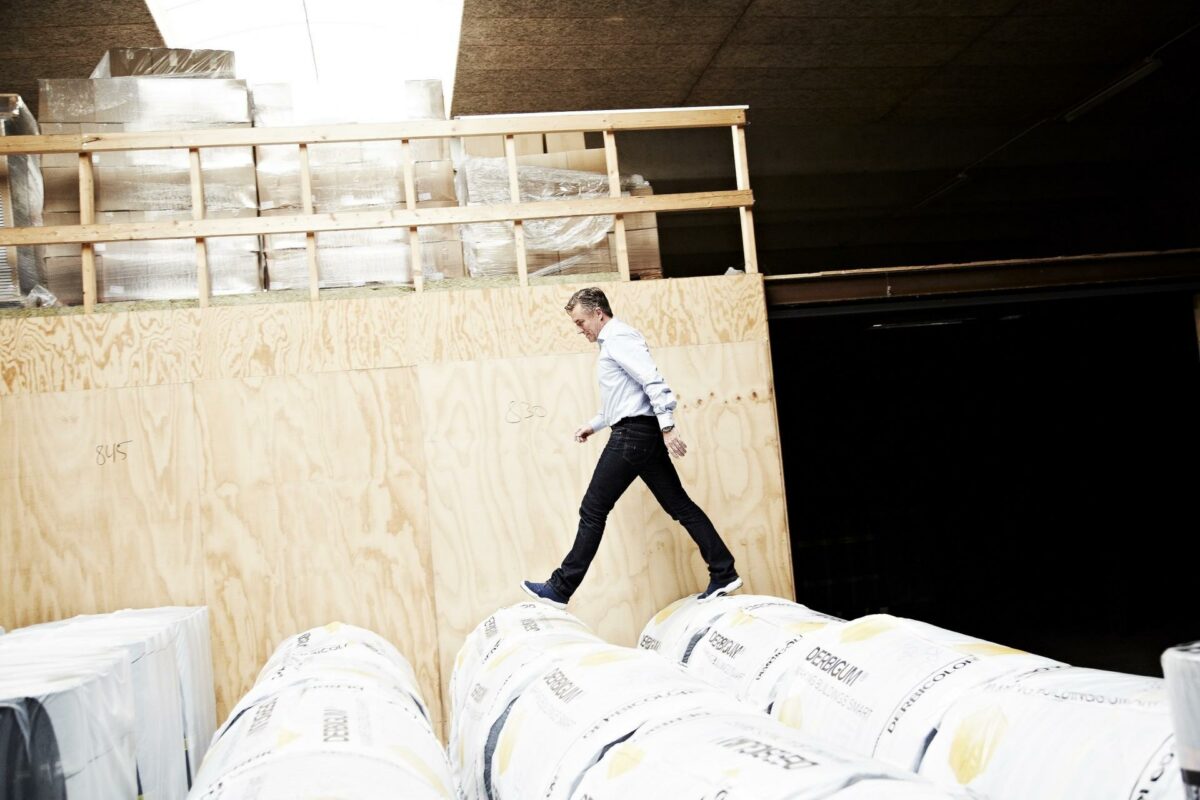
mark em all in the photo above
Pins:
pixel 608 326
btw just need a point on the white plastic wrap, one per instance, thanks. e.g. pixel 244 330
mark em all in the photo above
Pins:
pixel 164 269
pixel 160 740
pixel 150 185
pixel 1181 669
pixel 66 724
pixel 189 629
pixel 498 660
pixel 21 198
pixel 354 176
pixel 335 714
pixel 879 685
pixel 180 632
pixel 154 103
pixel 740 757
pixel 1053 734
pixel 164 62
pixel 552 245
pixel 542 708
pixel 768 632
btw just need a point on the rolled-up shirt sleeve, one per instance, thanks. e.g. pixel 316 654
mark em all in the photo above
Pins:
pixel 633 356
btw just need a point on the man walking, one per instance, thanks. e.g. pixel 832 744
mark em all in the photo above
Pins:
pixel 638 405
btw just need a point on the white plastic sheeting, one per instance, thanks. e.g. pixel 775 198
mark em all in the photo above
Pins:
pixel 1181 669
pixel 168 693
pixel 66 724
pixel 959 710
pixel 1059 733
pixel 542 708
pixel 736 757
pixel 335 713
pixel 880 685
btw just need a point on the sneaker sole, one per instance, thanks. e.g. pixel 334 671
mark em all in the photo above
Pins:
pixel 732 586
pixel 540 599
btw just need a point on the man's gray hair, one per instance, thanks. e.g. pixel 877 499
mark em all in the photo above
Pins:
pixel 590 298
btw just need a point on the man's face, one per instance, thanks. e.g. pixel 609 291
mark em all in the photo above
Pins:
pixel 589 322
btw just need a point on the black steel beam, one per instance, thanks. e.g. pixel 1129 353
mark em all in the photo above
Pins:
pixel 984 281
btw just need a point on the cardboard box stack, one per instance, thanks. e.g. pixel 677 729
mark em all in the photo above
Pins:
pixel 20 202
pixel 565 169
pixel 151 185
pixel 359 176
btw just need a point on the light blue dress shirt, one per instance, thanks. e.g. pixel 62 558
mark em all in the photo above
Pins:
pixel 630 383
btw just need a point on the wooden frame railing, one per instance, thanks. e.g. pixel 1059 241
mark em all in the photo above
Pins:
pixel 200 228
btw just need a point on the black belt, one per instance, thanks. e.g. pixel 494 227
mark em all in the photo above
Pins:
pixel 642 419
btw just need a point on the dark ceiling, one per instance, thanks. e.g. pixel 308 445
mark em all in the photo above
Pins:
pixel 863 113
pixel 65 38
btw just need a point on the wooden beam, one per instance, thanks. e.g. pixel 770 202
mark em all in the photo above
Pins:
pixel 642 119
pixel 203 282
pixel 742 167
pixel 983 278
pixel 514 191
pixel 410 203
pixel 87 216
pixel 310 238
pixel 361 220
pixel 614 190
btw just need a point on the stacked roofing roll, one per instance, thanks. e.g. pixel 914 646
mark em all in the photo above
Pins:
pixel 335 713
pixel 1181 669
pixel 959 710
pixel 542 708
pixel 122 697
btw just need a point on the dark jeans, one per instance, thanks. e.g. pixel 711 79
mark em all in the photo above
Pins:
pixel 635 449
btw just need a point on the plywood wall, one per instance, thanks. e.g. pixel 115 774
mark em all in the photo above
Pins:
pixel 399 463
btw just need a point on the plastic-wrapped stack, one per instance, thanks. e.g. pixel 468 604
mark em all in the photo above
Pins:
pixel 151 89
pixel 958 710
pixel 21 195
pixel 355 176
pixel 1181 669
pixel 552 246
pixel 124 62
pixel 335 713
pixel 129 695
pixel 542 708
pixel 66 724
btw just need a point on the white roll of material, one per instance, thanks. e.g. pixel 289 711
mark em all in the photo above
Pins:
pixel 671 631
pixel 338 652
pixel 751 649
pixel 742 757
pixel 1181 670
pixel 336 714
pixel 563 722
pixel 557 714
pixel 880 685
pixel 1059 733
pixel 498 660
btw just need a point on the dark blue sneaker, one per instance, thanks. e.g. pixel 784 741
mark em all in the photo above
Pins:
pixel 546 593
pixel 718 588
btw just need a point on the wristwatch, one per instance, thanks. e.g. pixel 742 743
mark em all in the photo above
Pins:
pixel 668 429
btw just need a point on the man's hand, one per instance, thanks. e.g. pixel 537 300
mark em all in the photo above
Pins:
pixel 675 445
pixel 582 434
